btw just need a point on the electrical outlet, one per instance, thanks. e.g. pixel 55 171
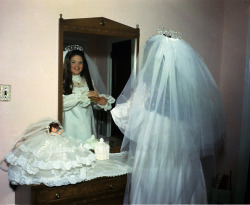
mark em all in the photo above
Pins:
pixel 5 92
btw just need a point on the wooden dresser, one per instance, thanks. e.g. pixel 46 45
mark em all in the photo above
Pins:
pixel 104 190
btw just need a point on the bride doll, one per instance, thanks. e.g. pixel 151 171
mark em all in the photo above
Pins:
pixel 43 155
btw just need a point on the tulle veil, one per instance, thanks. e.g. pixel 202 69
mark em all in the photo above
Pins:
pixel 171 115
pixel 37 128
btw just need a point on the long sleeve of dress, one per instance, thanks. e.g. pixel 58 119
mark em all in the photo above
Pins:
pixel 70 101
pixel 110 100
pixel 120 114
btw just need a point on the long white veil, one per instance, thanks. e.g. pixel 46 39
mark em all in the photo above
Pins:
pixel 171 116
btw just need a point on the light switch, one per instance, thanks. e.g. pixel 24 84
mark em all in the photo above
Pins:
pixel 5 92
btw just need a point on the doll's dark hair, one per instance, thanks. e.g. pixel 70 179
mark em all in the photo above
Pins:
pixel 67 75
pixel 53 124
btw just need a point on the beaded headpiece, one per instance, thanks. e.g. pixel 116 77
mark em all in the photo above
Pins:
pixel 170 33
pixel 73 47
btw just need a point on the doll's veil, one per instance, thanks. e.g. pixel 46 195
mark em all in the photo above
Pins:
pixel 40 127
pixel 35 129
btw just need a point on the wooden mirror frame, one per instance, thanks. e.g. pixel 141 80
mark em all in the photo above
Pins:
pixel 96 26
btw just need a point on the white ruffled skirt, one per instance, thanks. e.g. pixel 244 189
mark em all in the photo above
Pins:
pixel 50 160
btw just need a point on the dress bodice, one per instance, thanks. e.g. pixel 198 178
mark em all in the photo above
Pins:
pixel 79 85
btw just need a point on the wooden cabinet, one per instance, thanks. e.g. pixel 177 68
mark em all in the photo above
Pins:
pixel 104 190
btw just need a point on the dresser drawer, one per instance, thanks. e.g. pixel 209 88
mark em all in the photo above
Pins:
pixel 100 190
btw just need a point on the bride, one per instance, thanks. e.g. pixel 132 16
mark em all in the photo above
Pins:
pixel 171 116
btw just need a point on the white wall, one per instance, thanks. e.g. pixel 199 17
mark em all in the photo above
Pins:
pixel 29 53
pixel 232 80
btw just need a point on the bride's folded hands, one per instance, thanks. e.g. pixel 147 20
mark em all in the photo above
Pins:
pixel 93 93
pixel 93 96
pixel 102 101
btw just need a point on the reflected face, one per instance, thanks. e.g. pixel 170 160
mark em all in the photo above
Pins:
pixel 76 64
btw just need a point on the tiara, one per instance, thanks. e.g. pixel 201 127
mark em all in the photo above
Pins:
pixel 170 33
pixel 73 47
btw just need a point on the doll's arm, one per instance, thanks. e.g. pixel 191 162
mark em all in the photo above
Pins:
pixel 60 132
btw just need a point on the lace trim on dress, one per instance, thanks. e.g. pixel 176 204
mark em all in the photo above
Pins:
pixel 19 176
pixel 110 100
pixel 78 82
pixel 115 166
pixel 77 78
pixel 85 101
pixel 81 89
pixel 32 166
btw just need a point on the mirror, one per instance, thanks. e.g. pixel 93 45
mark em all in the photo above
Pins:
pixel 113 47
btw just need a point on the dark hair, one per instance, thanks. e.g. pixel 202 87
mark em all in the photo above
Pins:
pixel 67 75
pixel 53 124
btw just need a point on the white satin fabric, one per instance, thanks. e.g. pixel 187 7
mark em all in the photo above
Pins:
pixel 171 116
pixel 48 158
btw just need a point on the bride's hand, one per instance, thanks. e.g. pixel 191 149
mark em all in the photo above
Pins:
pixel 93 93
pixel 102 101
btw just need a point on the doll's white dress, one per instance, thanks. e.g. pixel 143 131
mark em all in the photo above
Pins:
pixel 50 159
pixel 78 117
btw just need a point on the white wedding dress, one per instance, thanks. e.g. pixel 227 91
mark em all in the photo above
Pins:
pixel 48 158
pixel 78 118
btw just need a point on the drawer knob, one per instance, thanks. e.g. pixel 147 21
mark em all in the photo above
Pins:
pixel 111 187
pixel 57 196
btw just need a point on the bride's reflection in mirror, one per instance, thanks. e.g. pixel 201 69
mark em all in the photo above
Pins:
pixel 83 91
pixel 106 67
